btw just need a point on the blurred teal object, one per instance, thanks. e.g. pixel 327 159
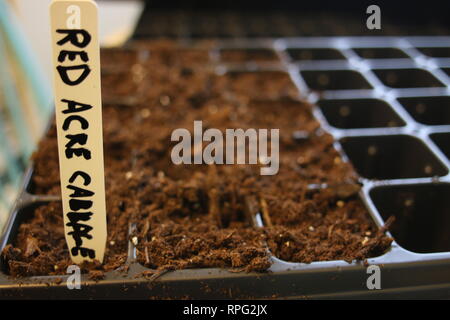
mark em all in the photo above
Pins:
pixel 15 38
pixel 17 139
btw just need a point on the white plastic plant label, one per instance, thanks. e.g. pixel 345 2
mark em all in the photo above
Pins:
pixel 78 107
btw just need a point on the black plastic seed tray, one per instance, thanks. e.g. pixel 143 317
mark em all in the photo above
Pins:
pixel 386 102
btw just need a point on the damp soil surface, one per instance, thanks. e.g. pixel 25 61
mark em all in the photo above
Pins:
pixel 196 216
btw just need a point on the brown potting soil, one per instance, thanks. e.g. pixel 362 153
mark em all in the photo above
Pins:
pixel 189 216
pixel 248 55
pixel 110 57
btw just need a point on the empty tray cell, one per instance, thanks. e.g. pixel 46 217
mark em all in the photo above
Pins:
pixel 315 54
pixel 407 78
pixel 422 219
pixel 443 142
pixel 248 55
pixel 436 52
pixel 428 110
pixel 335 80
pixel 392 157
pixel 380 53
pixel 359 113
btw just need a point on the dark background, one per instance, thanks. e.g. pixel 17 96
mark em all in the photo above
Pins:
pixel 263 18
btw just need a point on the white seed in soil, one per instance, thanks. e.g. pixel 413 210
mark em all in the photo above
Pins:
pixel 299 135
pixel 366 239
pixel 112 242
pixel 145 113
pixel 368 233
pixel 301 160
pixel 164 100
pixel 311 228
pixel 134 240
pixel 213 109
pixel 161 175
pixel 287 244
pixel 340 204
pixel 137 69
pixel 129 175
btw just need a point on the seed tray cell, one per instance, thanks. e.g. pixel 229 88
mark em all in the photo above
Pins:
pixel 335 80
pixel 442 139
pixel 392 157
pixel 407 78
pixel 380 53
pixel 306 54
pixel 436 52
pixel 403 175
pixel 428 110
pixel 359 113
pixel 421 213
pixel 447 71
